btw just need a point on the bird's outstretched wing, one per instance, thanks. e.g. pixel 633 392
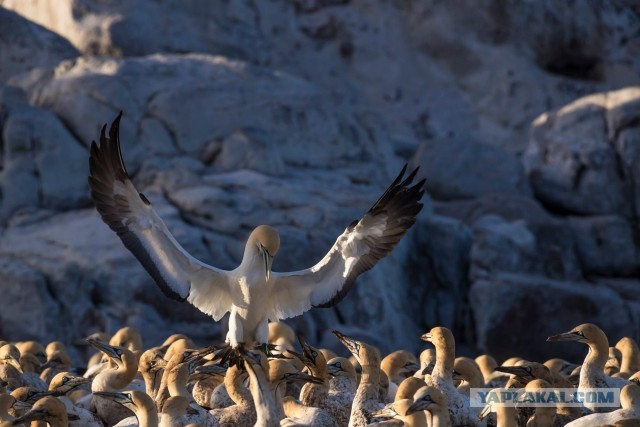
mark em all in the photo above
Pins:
pixel 130 214
pixel 358 249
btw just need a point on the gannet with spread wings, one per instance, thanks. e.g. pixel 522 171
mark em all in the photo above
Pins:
pixel 252 293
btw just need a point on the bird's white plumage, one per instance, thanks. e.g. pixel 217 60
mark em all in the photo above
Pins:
pixel 251 293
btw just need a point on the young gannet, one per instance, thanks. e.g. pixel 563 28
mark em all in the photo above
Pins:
pixel 488 365
pixel 281 337
pixel 178 364
pixel 243 412
pixel 366 399
pixel 209 384
pixel 61 386
pixel 151 366
pixel 506 416
pixel 252 293
pixel 10 355
pixel 48 409
pixel 342 388
pixel 137 402
pixel 442 376
pixel 282 372
pixel 258 369
pixel 313 394
pixel 111 379
pixel 613 362
pixel 33 347
pixel 300 415
pixel 65 382
pixel 435 402
pixel 560 366
pixel 58 360
pixel 397 366
pixel 30 364
pixel 630 353
pixel 630 402
pixel 408 387
pixel 398 410
pixel 6 402
pixel 10 378
pixel 173 412
pixel 468 371
pixel 544 416
pixel 592 372
pixel 427 357
pixel 129 338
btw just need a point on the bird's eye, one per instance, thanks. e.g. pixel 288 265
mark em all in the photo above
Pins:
pixel 528 369
pixel 65 379
pixel 314 353
pixel 119 352
pixel 339 365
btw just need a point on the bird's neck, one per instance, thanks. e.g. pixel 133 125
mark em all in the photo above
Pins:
pixel 152 381
pixel 367 391
pixel 235 387
pixel 177 382
pixel 593 366
pixel 342 383
pixel 267 414
pixel 506 416
pixel 147 417
pixel 445 356
pixel 440 416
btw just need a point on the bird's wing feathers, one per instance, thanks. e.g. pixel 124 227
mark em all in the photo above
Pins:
pixel 355 251
pixel 131 216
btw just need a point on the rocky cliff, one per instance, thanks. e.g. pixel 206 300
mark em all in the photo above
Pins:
pixel 523 117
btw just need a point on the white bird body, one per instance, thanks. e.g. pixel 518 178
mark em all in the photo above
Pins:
pixel 251 293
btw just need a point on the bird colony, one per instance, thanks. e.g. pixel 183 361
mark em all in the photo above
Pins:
pixel 179 384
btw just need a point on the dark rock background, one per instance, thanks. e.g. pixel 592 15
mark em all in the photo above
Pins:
pixel 524 118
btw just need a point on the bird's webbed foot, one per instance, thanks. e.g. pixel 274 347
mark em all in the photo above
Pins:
pixel 232 355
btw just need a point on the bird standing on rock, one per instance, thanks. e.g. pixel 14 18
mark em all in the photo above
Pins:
pixel 252 293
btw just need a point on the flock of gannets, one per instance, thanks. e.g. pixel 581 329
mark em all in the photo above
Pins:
pixel 176 384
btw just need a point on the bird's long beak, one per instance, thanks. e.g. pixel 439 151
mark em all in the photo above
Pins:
pixel 386 412
pixel 567 336
pixel 19 405
pixel 32 415
pixel 107 349
pixel 121 398
pixel 485 412
pixel 410 369
pixel 351 344
pixel 268 261
pixel 428 369
pixel 426 337
pixel 301 376
pixel 15 363
pixel 419 405
pixel 70 385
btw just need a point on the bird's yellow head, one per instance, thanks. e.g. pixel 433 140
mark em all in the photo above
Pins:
pixel 267 240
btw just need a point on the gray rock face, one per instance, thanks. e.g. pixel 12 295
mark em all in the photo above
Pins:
pixel 37 148
pixel 298 114
pixel 25 46
pixel 462 170
pixel 605 245
pixel 531 308
pixel 580 158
